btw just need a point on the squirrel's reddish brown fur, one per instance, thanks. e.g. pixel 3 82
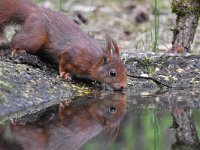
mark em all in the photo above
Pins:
pixel 59 38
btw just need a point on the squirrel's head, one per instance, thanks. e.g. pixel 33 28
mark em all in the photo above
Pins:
pixel 110 69
pixel 112 108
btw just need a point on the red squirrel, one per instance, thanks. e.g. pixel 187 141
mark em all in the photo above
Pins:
pixel 70 128
pixel 55 35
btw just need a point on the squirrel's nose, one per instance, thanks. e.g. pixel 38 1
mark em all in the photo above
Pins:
pixel 123 87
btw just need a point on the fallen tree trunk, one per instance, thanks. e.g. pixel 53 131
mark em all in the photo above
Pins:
pixel 28 84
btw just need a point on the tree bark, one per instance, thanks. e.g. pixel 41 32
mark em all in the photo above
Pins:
pixel 188 12
pixel 186 134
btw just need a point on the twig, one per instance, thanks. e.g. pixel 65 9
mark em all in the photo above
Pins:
pixel 159 83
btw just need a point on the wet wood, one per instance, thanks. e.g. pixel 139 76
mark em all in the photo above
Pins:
pixel 186 134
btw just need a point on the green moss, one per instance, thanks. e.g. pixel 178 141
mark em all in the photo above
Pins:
pixel 145 61
pixel 183 7
pixel 5 86
pixel 146 65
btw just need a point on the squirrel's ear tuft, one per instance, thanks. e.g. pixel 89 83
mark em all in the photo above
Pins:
pixel 116 48
pixel 108 44
pixel 111 46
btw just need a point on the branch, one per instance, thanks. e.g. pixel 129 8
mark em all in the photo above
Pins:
pixel 159 83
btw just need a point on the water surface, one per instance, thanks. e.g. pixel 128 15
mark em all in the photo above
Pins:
pixel 144 120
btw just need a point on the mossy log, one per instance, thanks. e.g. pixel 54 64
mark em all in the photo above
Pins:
pixel 28 84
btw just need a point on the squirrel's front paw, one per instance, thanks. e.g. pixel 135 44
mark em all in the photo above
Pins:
pixel 65 76
pixel 13 51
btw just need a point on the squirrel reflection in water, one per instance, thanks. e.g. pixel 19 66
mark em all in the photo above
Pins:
pixel 70 128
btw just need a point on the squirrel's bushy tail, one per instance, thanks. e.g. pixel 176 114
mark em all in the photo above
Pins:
pixel 14 12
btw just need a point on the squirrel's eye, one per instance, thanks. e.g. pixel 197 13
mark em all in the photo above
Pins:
pixel 112 109
pixel 112 73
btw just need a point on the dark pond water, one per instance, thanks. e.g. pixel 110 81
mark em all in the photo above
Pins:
pixel 155 120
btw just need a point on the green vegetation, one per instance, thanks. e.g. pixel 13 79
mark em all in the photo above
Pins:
pixel 196 114
pixel 156 25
